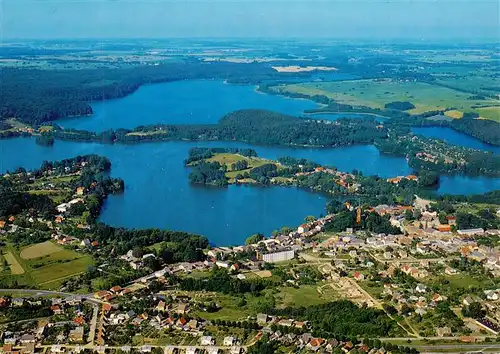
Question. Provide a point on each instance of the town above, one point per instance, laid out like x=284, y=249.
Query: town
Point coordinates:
x=431, y=279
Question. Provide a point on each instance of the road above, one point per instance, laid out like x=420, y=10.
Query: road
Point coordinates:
x=93, y=324
x=68, y=296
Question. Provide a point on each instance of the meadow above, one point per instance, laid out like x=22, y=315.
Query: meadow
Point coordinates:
x=43, y=265
x=378, y=92
x=228, y=159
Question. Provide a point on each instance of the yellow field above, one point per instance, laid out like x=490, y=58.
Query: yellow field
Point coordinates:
x=40, y=250
x=454, y=114
x=264, y=273
x=15, y=267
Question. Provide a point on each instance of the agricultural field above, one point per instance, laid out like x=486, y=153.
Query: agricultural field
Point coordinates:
x=377, y=93
x=43, y=265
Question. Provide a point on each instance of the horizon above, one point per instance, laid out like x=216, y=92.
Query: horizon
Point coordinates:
x=370, y=20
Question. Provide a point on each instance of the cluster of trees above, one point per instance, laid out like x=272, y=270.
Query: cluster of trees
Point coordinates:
x=12, y=202
x=45, y=140
x=209, y=173
x=220, y=281
x=482, y=129
x=262, y=174
x=27, y=312
x=239, y=165
x=400, y=105
x=342, y=318
x=484, y=218
x=183, y=246
x=370, y=221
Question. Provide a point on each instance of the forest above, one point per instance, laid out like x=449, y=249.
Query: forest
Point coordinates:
x=251, y=126
x=342, y=318
x=35, y=96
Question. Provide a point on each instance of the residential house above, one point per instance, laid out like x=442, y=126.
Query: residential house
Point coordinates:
x=27, y=338
x=315, y=344
x=17, y=302
x=359, y=276
x=229, y=341
x=443, y=331
x=193, y=324
x=181, y=309
x=420, y=288
x=262, y=318
x=161, y=306
x=76, y=335
x=207, y=340
x=56, y=309
x=491, y=295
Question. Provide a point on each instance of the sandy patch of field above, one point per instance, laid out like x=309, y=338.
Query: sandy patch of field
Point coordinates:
x=454, y=114
x=264, y=273
x=39, y=250
x=15, y=267
x=298, y=69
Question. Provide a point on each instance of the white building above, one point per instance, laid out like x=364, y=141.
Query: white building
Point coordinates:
x=278, y=256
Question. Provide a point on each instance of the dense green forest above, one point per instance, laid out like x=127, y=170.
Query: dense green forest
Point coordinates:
x=179, y=246
x=35, y=96
x=342, y=318
x=484, y=130
x=208, y=173
x=251, y=126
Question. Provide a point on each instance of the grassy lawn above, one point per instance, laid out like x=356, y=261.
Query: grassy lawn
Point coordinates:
x=228, y=159
x=492, y=113
x=58, y=196
x=40, y=250
x=464, y=281
x=305, y=295
x=377, y=93
x=15, y=267
x=229, y=308
x=45, y=264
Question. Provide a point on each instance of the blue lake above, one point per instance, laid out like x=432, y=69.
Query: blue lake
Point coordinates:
x=158, y=193
x=188, y=102
x=454, y=137
x=182, y=102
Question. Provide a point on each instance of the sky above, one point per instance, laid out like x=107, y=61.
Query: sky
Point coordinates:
x=370, y=19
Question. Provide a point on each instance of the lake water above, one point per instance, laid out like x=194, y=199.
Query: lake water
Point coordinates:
x=188, y=102
x=158, y=193
x=182, y=102
x=454, y=137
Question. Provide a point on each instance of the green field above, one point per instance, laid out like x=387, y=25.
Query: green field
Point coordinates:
x=47, y=270
x=377, y=93
x=305, y=295
x=228, y=159
x=39, y=250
